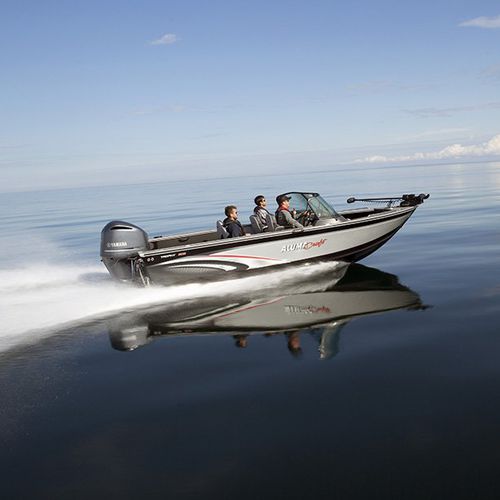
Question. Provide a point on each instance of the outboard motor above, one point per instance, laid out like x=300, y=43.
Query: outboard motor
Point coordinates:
x=120, y=244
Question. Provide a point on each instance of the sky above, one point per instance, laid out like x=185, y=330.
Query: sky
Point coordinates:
x=114, y=92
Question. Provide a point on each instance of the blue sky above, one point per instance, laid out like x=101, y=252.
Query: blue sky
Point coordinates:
x=116, y=91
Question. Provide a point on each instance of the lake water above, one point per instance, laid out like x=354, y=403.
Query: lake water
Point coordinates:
x=382, y=382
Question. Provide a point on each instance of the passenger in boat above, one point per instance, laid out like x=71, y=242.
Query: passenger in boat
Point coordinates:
x=261, y=211
x=283, y=215
x=231, y=222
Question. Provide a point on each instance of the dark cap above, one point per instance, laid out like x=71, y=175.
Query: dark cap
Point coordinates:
x=281, y=198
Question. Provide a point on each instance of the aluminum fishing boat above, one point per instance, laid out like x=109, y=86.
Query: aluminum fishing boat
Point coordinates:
x=130, y=254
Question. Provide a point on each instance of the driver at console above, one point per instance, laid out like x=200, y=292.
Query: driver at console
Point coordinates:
x=283, y=214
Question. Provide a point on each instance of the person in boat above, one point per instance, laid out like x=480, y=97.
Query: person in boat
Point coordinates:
x=261, y=211
x=283, y=215
x=231, y=223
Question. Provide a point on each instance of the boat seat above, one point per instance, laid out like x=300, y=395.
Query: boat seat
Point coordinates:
x=221, y=230
x=272, y=225
x=256, y=225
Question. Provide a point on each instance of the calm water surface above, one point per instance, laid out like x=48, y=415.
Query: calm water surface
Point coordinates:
x=380, y=381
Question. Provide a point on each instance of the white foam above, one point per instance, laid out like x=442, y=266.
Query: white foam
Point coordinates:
x=36, y=301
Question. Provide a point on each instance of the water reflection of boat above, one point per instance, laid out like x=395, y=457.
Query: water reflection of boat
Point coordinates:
x=345, y=293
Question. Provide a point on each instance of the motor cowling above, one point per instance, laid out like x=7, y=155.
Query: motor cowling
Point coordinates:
x=121, y=242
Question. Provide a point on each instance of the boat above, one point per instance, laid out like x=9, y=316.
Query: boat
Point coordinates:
x=130, y=255
x=320, y=304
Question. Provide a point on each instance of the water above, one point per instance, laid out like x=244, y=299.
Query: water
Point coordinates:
x=103, y=395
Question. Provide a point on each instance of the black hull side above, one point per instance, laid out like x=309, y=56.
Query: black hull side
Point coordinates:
x=361, y=252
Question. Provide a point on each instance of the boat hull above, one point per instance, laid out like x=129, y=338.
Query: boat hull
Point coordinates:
x=348, y=241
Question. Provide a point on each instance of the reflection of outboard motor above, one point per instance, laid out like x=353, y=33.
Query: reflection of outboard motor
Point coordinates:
x=129, y=339
x=120, y=243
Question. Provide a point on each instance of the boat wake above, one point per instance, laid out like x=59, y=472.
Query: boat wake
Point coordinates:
x=39, y=301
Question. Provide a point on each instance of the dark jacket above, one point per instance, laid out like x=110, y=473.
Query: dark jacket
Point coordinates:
x=233, y=227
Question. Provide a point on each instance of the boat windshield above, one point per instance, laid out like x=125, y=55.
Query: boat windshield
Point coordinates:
x=314, y=202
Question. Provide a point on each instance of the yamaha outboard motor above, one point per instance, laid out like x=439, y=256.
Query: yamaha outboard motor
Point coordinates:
x=120, y=244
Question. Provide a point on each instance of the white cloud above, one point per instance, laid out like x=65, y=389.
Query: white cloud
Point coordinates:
x=434, y=133
x=167, y=39
x=385, y=86
x=447, y=112
x=482, y=22
x=491, y=73
x=172, y=108
x=489, y=148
